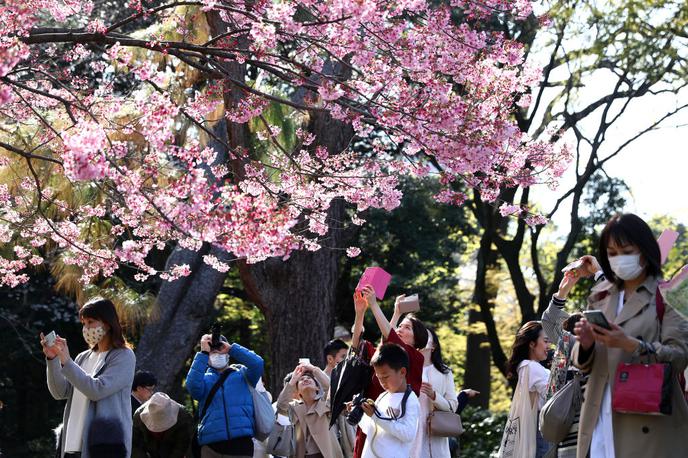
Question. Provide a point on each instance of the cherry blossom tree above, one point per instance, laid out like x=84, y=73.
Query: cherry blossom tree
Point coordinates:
x=124, y=114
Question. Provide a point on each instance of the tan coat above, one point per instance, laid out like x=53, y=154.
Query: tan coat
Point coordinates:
x=636, y=435
x=317, y=422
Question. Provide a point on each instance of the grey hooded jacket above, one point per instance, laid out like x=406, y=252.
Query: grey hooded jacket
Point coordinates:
x=109, y=392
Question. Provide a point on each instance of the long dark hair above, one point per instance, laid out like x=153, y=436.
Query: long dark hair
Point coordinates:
x=104, y=310
x=520, y=351
x=629, y=229
x=436, y=355
x=420, y=332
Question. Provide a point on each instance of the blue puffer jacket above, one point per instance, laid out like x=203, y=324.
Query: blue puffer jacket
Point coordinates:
x=230, y=414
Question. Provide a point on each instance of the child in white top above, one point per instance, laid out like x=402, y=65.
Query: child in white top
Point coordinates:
x=390, y=424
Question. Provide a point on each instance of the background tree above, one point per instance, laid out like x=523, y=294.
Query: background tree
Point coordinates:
x=634, y=53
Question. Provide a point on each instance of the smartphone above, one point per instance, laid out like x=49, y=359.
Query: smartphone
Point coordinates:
x=304, y=361
x=597, y=317
x=409, y=304
x=50, y=339
x=572, y=265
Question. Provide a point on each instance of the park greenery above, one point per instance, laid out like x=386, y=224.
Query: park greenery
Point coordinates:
x=201, y=163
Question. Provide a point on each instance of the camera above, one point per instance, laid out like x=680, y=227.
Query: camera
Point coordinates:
x=215, y=342
x=354, y=417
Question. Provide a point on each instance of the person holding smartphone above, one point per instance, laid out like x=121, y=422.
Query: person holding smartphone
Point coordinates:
x=96, y=384
x=629, y=259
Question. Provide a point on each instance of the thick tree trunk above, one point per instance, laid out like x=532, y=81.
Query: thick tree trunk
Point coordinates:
x=477, y=374
x=185, y=310
x=298, y=297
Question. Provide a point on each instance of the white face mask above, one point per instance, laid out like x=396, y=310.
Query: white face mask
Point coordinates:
x=219, y=360
x=93, y=335
x=626, y=266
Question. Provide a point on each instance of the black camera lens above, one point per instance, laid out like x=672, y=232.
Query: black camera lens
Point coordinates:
x=354, y=417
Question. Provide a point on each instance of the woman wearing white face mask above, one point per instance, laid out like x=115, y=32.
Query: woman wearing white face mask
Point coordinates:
x=629, y=260
x=96, y=385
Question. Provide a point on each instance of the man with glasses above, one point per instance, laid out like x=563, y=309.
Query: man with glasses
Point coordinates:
x=142, y=389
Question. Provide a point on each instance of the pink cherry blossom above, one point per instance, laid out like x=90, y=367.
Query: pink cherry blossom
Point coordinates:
x=149, y=158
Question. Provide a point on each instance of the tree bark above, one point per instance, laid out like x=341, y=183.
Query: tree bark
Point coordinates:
x=298, y=296
x=185, y=310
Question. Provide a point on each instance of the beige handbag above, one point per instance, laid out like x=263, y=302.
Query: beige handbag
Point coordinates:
x=444, y=424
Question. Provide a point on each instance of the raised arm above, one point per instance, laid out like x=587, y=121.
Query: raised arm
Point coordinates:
x=554, y=316
x=396, y=316
x=380, y=318
x=117, y=375
x=360, y=305
x=253, y=362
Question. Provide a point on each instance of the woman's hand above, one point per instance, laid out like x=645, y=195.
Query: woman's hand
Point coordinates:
x=590, y=266
x=49, y=352
x=428, y=390
x=360, y=304
x=471, y=393
x=205, y=342
x=296, y=375
x=584, y=334
x=567, y=283
x=308, y=367
x=63, y=350
x=369, y=295
x=615, y=338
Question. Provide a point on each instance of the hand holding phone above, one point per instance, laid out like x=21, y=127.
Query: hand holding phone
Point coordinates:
x=597, y=318
x=50, y=339
x=572, y=266
x=305, y=361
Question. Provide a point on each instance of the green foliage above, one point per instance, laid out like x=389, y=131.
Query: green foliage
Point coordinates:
x=678, y=256
x=29, y=413
x=420, y=244
x=483, y=432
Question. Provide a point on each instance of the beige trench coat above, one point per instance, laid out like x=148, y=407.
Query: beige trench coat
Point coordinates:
x=318, y=422
x=635, y=435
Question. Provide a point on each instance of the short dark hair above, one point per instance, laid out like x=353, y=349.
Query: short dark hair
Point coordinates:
x=629, y=229
x=334, y=346
x=143, y=378
x=392, y=355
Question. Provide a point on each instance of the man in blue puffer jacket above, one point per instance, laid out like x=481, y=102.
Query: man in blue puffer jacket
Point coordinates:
x=227, y=427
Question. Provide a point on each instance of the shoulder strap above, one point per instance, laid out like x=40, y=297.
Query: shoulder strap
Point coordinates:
x=213, y=390
x=243, y=373
x=661, y=306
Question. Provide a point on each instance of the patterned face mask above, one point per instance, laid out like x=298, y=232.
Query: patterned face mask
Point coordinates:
x=93, y=335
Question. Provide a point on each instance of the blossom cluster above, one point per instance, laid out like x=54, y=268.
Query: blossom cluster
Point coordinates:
x=402, y=74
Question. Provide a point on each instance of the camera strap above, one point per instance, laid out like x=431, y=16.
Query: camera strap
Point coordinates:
x=214, y=389
x=407, y=393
